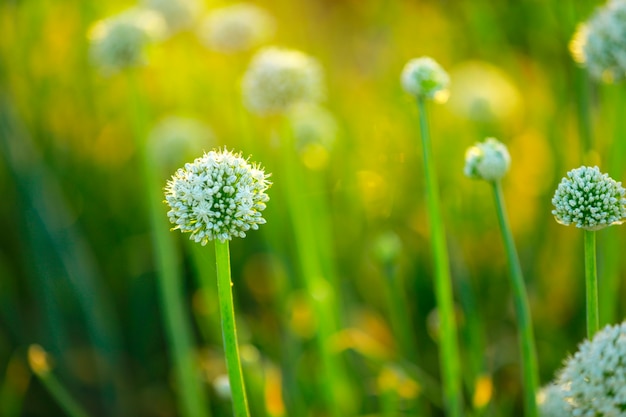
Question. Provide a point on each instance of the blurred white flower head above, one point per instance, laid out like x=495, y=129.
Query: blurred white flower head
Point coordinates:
x=217, y=196
x=178, y=14
x=237, y=27
x=484, y=93
x=279, y=78
x=424, y=77
x=551, y=402
x=600, y=43
x=589, y=199
x=118, y=42
x=488, y=160
x=594, y=379
x=177, y=139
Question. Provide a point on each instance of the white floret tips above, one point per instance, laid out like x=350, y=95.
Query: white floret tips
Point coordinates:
x=489, y=160
x=589, y=199
x=217, y=196
x=593, y=381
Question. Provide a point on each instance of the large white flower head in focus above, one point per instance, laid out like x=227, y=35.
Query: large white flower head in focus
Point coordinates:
x=589, y=199
x=218, y=196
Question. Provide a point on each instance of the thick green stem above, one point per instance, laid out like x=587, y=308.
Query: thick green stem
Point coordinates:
x=591, y=283
x=194, y=402
x=530, y=372
x=448, y=345
x=229, y=330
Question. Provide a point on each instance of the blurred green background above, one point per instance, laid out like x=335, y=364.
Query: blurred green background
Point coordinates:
x=77, y=272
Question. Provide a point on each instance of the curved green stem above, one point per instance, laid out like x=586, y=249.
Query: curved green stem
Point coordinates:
x=449, y=350
x=591, y=283
x=530, y=373
x=229, y=330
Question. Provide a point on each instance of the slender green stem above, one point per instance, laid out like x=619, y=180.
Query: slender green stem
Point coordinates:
x=38, y=361
x=449, y=350
x=530, y=372
x=62, y=396
x=591, y=283
x=194, y=402
x=229, y=330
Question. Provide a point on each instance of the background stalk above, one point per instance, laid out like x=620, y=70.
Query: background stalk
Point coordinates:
x=591, y=283
x=530, y=373
x=194, y=402
x=38, y=361
x=448, y=344
x=229, y=330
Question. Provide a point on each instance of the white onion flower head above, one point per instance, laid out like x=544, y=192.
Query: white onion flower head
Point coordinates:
x=236, y=28
x=118, y=42
x=218, y=196
x=600, y=43
x=178, y=14
x=279, y=78
x=488, y=160
x=551, y=402
x=589, y=199
x=425, y=78
x=594, y=379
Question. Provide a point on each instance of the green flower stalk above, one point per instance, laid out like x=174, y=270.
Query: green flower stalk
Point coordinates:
x=424, y=79
x=40, y=365
x=592, y=201
x=215, y=198
x=490, y=161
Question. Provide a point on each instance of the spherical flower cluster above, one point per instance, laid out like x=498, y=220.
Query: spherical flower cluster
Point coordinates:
x=488, y=160
x=423, y=77
x=600, y=43
x=594, y=379
x=279, y=78
x=178, y=14
x=589, y=199
x=237, y=27
x=551, y=402
x=217, y=196
x=118, y=42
